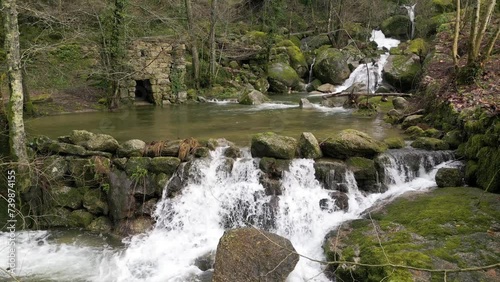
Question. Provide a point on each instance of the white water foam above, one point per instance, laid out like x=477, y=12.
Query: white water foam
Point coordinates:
x=189, y=226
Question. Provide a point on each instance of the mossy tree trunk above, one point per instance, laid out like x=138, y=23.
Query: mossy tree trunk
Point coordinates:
x=17, y=135
x=194, y=47
x=213, y=23
x=117, y=51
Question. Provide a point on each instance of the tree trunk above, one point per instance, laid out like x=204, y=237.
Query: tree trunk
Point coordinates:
x=194, y=47
x=454, y=51
x=213, y=22
x=471, y=60
x=17, y=135
x=116, y=52
x=482, y=29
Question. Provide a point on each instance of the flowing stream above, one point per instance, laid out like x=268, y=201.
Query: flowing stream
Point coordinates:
x=189, y=226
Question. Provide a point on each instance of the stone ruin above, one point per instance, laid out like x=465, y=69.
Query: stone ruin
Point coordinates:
x=158, y=69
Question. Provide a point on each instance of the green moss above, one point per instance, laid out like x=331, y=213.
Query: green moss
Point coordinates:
x=414, y=131
x=428, y=143
x=419, y=47
x=396, y=26
x=432, y=132
x=488, y=170
x=395, y=142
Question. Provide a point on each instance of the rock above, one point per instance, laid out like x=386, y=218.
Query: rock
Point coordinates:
x=402, y=71
x=121, y=202
x=365, y=174
x=261, y=85
x=272, y=187
x=400, y=103
x=449, y=177
x=331, y=174
x=82, y=172
x=232, y=152
x=248, y=254
x=131, y=148
x=135, y=226
x=205, y=262
x=68, y=197
x=56, y=217
x=178, y=180
x=398, y=26
x=282, y=78
x=305, y=104
x=337, y=201
x=428, y=143
x=274, y=168
x=412, y=120
x=94, y=200
x=326, y=88
x=309, y=146
x=454, y=138
x=94, y=142
x=272, y=145
x=80, y=218
x=201, y=152
x=66, y=149
x=55, y=168
x=100, y=224
x=253, y=97
x=331, y=66
x=138, y=165
x=167, y=165
x=352, y=143
x=395, y=142
x=432, y=132
x=414, y=131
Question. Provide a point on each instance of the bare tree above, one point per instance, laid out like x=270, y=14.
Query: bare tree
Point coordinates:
x=213, y=23
x=194, y=47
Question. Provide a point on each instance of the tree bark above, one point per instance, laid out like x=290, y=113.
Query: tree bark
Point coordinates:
x=454, y=51
x=471, y=60
x=194, y=47
x=482, y=29
x=116, y=51
x=17, y=135
x=213, y=22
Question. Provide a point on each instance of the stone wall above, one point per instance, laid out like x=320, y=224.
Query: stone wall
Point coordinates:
x=161, y=61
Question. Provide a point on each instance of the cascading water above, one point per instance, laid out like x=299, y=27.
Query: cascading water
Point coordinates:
x=371, y=72
x=411, y=15
x=222, y=193
x=311, y=71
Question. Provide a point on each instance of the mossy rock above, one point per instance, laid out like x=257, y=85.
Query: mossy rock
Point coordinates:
x=449, y=177
x=412, y=120
x=352, y=143
x=402, y=71
x=292, y=55
x=131, y=148
x=67, y=197
x=255, y=37
x=100, y=224
x=282, y=77
x=419, y=47
x=253, y=97
x=471, y=172
x=488, y=170
x=82, y=172
x=94, y=200
x=55, y=168
x=138, y=164
x=331, y=174
x=274, y=168
x=80, y=218
x=331, y=66
x=56, y=217
x=443, y=6
x=429, y=143
x=201, y=152
x=395, y=142
x=365, y=174
x=272, y=145
x=444, y=227
x=474, y=144
x=454, y=138
x=167, y=165
x=261, y=84
x=398, y=26
x=432, y=132
x=309, y=146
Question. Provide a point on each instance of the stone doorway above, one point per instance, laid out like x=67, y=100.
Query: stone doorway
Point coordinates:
x=144, y=91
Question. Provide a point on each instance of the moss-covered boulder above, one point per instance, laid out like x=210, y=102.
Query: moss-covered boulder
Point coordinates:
x=282, y=77
x=488, y=169
x=398, y=26
x=253, y=97
x=445, y=228
x=331, y=66
x=248, y=254
x=443, y=6
x=67, y=197
x=309, y=146
x=352, y=143
x=55, y=217
x=365, y=174
x=336, y=201
x=94, y=142
x=137, y=165
x=395, y=142
x=412, y=120
x=95, y=201
x=429, y=143
x=54, y=168
x=454, y=138
x=80, y=218
x=272, y=145
x=274, y=168
x=402, y=71
x=100, y=224
x=432, y=132
x=415, y=131
x=449, y=177
x=167, y=165
x=289, y=53
x=131, y=148
x=261, y=84
x=201, y=152
x=400, y=103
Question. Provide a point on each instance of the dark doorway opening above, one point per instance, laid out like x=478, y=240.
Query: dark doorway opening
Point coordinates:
x=144, y=91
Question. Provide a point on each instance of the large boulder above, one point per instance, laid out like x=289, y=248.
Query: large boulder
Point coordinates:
x=402, y=71
x=331, y=174
x=272, y=145
x=249, y=254
x=365, y=173
x=400, y=103
x=449, y=177
x=309, y=146
x=287, y=52
x=253, y=97
x=282, y=77
x=305, y=104
x=331, y=66
x=352, y=143
x=67, y=197
x=429, y=143
x=398, y=26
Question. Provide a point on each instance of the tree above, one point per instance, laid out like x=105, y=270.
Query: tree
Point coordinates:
x=213, y=23
x=194, y=47
x=116, y=50
x=17, y=135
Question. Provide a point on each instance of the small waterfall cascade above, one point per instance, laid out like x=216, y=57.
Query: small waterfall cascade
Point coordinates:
x=371, y=73
x=222, y=193
x=411, y=15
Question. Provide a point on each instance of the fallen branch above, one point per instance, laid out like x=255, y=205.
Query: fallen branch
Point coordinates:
x=342, y=94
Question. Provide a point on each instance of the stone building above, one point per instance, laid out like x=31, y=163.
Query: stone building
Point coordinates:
x=157, y=70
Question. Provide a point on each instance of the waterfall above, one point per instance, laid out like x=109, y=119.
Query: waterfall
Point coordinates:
x=223, y=193
x=311, y=71
x=411, y=14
